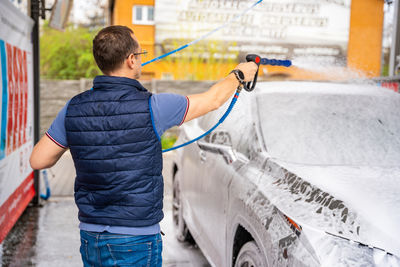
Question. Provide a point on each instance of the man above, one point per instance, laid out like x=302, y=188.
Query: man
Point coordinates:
x=113, y=133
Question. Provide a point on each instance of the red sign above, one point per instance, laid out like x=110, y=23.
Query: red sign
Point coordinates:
x=17, y=98
x=15, y=206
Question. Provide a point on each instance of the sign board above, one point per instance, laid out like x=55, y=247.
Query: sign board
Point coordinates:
x=313, y=30
x=60, y=13
x=16, y=115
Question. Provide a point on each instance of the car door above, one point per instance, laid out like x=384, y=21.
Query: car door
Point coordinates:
x=218, y=166
x=190, y=172
x=213, y=187
x=196, y=162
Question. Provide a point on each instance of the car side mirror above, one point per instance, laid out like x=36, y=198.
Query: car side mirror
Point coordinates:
x=219, y=142
x=219, y=138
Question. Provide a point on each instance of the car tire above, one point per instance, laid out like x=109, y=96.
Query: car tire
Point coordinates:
x=181, y=231
x=250, y=256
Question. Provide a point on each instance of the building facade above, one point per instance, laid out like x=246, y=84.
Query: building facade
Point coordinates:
x=325, y=39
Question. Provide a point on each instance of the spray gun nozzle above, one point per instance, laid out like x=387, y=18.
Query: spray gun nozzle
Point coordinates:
x=276, y=62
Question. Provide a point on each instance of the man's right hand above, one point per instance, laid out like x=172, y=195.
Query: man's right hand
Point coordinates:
x=249, y=70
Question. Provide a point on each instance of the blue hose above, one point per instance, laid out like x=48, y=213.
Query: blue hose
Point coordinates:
x=233, y=102
x=264, y=61
x=235, y=18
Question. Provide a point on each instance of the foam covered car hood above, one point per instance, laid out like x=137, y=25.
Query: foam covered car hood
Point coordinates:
x=358, y=203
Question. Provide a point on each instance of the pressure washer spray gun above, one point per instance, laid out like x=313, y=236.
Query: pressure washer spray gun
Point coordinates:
x=249, y=86
x=263, y=61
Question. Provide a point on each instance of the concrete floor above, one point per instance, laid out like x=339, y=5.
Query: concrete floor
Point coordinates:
x=49, y=235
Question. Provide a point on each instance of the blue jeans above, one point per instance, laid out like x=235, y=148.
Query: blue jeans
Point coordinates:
x=107, y=249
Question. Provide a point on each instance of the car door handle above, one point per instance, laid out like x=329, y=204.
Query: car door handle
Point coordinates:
x=202, y=155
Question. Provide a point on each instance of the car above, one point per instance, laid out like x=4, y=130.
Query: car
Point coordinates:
x=299, y=174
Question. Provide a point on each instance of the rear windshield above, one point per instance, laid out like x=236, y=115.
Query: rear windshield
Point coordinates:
x=331, y=129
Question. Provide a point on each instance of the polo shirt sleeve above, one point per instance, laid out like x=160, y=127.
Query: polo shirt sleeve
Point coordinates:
x=168, y=110
x=57, y=132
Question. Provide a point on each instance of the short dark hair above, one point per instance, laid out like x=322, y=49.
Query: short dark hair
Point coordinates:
x=111, y=46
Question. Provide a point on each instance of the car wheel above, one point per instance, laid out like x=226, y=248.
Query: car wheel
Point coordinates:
x=249, y=256
x=181, y=230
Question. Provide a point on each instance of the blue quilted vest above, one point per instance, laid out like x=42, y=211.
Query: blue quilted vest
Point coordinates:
x=117, y=154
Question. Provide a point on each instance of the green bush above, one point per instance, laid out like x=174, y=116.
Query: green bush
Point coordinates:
x=168, y=141
x=68, y=54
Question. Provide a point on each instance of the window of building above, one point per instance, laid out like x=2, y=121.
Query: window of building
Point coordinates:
x=143, y=15
x=138, y=13
x=150, y=14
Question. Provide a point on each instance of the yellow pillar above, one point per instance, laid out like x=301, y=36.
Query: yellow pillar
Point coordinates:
x=365, y=37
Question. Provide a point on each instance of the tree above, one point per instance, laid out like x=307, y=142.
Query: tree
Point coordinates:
x=68, y=54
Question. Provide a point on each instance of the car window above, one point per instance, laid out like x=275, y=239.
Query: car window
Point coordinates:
x=332, y=129
x=209, y=120
x=249, y=144
x=239, y=124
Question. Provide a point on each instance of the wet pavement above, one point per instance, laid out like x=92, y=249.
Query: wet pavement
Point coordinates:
x=49, y=235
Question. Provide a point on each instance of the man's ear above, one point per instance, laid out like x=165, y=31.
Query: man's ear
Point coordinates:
x=131, y=61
